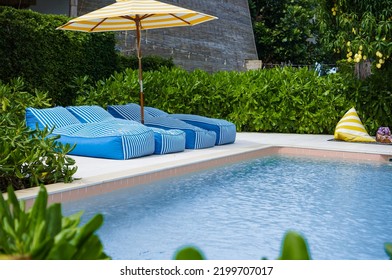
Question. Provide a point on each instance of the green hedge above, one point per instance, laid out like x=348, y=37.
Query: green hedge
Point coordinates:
x=285, y=100
x=49, y=59
x=149, y=63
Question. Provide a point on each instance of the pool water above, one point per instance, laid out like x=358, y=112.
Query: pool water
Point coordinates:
x=242, y=211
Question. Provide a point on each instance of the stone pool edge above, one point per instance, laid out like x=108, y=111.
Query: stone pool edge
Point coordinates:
x=95, y=185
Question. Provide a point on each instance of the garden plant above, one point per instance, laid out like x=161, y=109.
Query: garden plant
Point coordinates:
x=43, y=233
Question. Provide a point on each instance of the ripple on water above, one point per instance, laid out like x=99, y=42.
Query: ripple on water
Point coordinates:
x=242, y=211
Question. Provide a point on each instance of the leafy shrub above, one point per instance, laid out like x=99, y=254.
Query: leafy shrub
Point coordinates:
x=285, y=100
x=280, y=100
x=43, y=233
x=290, y=100
x=28, y=157
x=374, y=99
x=149, y=63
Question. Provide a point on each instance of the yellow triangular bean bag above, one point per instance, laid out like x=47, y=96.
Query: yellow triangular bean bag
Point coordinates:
x=351, y=129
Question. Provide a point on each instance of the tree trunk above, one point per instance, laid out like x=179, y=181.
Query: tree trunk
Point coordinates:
x=363, y=69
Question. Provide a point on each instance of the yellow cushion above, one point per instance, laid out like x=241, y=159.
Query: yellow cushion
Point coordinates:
x=351, y=129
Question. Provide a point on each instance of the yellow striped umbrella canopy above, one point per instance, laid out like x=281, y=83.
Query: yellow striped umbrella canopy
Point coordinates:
x=136, y=15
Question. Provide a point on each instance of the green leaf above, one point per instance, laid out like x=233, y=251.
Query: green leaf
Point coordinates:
x=54, y=218
x=38, y=211
x=87, y=230
x=294, y=247
x=62, y=251
x=189, y=253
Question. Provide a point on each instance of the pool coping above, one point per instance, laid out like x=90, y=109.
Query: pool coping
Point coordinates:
x=153, y=168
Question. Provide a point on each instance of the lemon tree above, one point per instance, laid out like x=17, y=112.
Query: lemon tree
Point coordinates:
x=357, y=31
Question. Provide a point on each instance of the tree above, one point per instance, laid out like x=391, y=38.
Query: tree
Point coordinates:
x=358, y=31
x=285, y=31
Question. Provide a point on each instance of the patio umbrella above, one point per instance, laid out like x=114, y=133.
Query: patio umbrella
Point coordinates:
x=136, y=15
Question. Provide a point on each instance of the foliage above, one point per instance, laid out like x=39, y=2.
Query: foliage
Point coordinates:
x=28, y=157
x=290, y=101
x=149, y=63
x=49, y=59
x=286, y=100
x=43, y=233
x=373, y=98
x=189, y=253
x=388, y=250
x=357, y=30
x=294, y=247
x=285, y=31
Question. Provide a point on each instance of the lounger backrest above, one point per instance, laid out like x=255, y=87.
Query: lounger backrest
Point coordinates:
x=90, y=114
x=129, y=111
x=50, y=117
x=156, y=112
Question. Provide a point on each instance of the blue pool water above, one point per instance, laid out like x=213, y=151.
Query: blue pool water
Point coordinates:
x=242, y=211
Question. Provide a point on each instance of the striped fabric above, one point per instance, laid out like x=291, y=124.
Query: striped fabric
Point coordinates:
x=50, y=117
x=155, y=112
x=168, y=141
x=351, y=129
x=165, y=141
x=89, y=114
x=127, y=14
x=196, y=137
x=115, y=140
x=129, y=111
x=225, y=131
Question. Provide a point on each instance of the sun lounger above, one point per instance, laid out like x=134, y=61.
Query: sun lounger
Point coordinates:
x=166, y=141
x=113, y=140
x=225, y=130
x=196, y=137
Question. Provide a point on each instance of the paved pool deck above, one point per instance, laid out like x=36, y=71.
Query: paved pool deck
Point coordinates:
x=98, y=176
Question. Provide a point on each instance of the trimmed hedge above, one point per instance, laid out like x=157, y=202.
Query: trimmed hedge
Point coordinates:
x=285, y=100
x=49, y=59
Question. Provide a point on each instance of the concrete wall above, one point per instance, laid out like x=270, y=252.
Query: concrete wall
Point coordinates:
x=223, y=44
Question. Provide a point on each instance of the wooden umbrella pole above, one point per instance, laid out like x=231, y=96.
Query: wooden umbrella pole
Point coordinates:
x=139, y=56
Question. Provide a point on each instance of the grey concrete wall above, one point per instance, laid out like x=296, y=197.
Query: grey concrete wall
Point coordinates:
x=222, y=44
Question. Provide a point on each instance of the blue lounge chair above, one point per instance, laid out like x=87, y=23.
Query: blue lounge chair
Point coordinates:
x=166, y=141
x=225, y=130
x=196, y=137
x=113, y=140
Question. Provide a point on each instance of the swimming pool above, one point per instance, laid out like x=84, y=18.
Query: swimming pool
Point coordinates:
x=242, y=211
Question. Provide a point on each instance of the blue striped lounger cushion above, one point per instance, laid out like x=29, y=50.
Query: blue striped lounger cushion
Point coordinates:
x=196, y=138
x=225, y=131
x=165, y=141
x=120, y=140
x=51, y=117
x=168, y=141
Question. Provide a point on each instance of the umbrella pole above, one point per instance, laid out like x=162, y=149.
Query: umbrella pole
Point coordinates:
x=139, y=56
